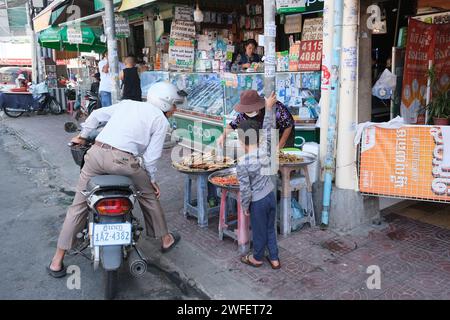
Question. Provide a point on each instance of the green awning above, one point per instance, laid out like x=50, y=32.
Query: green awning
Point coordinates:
x=56, y=38
x=98, y=4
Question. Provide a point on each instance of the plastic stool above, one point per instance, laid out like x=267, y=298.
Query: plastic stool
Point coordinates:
x=200, y=209
x=70, y=105
x=242, y=232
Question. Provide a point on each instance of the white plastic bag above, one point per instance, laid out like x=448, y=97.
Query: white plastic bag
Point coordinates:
x=385, y=85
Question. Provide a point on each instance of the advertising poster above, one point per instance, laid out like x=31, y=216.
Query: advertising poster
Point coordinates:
x=411, y=162
x=419, y=51
x=312, y=29
x=310, y=55
x=182, y=30
x=181, y=55
x=441, y=56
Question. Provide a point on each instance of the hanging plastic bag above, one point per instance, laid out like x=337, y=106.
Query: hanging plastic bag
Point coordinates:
x=385, y=85
x=297, y=210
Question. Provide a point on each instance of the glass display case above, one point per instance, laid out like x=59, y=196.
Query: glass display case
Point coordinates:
x=295, y=90
x=148, y=78
x=205, y=92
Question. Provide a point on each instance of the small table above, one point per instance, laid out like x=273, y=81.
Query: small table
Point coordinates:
x=201, y=209
x=285, y=213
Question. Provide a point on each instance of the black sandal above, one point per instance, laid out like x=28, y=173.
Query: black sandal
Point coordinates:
x=57, y=274
x=246, y=259
x=176, y=238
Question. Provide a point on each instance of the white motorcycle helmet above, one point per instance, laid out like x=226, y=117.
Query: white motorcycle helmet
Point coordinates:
x=164, y=95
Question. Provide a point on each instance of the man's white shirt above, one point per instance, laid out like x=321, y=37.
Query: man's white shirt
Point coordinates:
x=106, y=82
x=135, y=127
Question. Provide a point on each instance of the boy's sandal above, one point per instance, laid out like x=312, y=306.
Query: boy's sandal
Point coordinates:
x=57, y=274
x=246, y=259
x=274, y=266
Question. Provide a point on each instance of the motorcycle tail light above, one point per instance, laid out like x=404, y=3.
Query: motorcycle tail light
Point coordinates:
x=113, y=206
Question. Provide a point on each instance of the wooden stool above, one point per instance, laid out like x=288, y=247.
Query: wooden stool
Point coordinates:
x=242, y=232
x=200, y=209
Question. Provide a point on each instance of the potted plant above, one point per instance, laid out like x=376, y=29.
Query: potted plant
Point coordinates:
x=439, y=106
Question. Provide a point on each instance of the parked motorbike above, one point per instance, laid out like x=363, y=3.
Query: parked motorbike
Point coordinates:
x=42, y=102
x=89, y=104
x=112, y=231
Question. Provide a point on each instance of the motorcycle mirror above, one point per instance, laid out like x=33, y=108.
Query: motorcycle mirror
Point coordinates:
x=70, y=127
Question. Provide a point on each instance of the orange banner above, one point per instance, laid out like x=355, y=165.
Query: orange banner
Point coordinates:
x=411, y=162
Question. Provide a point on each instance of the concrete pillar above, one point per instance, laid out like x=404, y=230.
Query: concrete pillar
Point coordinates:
x=149, y=34
x=346, y=152
x=348, y=208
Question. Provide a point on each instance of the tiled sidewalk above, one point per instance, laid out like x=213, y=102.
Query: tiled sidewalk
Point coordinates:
x=414, y=259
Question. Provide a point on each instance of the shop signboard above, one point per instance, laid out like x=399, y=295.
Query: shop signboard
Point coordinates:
x=293, y=24
x=122, y=26
x=411, y=162
x=74, y=35
x=184, y=13
x=310, y=55
x=292, y=6
x=312, y=29
x=181, y=55
x=419, y=53
x=182, y=30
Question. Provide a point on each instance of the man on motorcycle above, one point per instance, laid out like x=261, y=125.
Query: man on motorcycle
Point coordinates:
x=134, y=130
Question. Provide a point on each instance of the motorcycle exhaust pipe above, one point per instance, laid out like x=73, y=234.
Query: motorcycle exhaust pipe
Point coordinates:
x=138, y=266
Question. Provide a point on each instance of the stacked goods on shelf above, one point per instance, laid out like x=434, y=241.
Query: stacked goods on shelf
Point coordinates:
x=213, y=51
x=283, y=61
x=294, y=55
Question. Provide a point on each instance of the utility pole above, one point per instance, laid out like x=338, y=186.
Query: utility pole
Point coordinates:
x=269, y=46
x=113, y=57
x=30, y=33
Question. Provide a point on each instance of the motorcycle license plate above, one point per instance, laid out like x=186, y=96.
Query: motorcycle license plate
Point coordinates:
x=112, y=234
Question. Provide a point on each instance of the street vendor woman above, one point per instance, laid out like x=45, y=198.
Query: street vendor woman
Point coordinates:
x=250, y=107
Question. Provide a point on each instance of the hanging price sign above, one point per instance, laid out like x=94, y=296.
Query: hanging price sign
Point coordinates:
x=310, y=55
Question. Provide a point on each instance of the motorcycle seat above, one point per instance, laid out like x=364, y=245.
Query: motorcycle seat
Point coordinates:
x=109, y=182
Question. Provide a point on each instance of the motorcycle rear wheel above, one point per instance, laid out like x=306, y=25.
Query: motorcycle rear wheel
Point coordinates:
x=13, y=114
x=110, y=284
x=54, y=106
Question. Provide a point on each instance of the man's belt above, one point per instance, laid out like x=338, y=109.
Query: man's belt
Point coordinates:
x=107, y=146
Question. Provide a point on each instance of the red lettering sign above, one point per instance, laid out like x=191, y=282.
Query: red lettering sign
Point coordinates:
x=310, y=55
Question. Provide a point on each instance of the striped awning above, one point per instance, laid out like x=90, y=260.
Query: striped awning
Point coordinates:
x=43, y=20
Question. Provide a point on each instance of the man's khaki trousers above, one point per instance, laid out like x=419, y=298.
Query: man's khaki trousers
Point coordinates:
x=99, y=161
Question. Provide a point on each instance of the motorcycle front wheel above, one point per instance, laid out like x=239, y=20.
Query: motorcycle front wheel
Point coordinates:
x=12, y=113
x=110, y=284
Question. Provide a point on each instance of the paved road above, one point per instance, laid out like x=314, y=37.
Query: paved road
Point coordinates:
x=32, y=209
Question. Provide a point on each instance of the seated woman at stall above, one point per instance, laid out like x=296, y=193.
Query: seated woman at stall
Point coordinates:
x=246, y=59
x=21, y=84
x=284, y=120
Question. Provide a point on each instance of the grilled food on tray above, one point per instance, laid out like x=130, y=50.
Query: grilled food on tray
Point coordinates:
x=226, y=181
x=289, y=158
x=203, y=162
